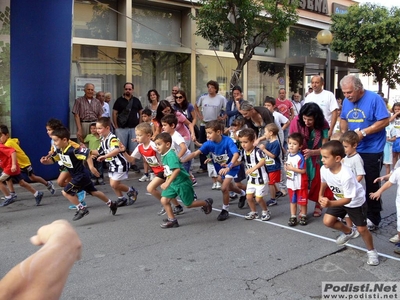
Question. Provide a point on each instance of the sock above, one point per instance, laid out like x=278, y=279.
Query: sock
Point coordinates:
x=226, y=207
x=264, y=212
x=242, y=193
x=293, y=216
x=109, y=202
x=273, y=199
x=80, y=206
x=12, y=194
x=8, y=197
x=48, y=183
x=36, y=193
x=171, y=220
x=122, y=197
x=147, y=174
x=131, y=189
x=178, y=206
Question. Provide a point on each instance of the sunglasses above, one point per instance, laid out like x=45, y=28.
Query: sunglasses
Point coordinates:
x=178, y=97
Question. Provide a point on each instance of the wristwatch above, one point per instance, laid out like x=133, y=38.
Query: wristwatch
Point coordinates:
x=363, y=132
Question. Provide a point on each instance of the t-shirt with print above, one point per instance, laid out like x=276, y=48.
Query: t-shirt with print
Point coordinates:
x=171, y=162
x=251, y=159
x=150, y=155
x=273, y=164
x=221, y=153
x=211, y=107
x=296, y=181
x=362, y=114
x=344, y=185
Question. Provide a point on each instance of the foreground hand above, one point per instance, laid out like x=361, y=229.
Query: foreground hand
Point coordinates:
x=59, y=232
x=324, y=201
x=374, y=196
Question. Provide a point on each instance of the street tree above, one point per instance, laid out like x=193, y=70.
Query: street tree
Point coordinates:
x=370, y=34
x=243, y=25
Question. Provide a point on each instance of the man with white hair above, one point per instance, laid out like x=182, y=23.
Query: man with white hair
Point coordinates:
x=365, y=112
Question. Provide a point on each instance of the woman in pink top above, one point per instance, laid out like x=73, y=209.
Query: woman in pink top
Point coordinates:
x=184, y=127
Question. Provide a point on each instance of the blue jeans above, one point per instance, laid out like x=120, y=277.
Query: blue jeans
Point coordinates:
x=125, y=135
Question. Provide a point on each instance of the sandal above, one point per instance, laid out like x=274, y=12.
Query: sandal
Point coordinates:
x=317, y=212
x=303, y=220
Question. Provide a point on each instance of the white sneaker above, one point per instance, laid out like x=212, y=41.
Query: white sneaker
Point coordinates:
x=214, y=186
x=251, y=216
x=373, y=258
x=218, y=186
x=344, y=238
x=265, y=215
x=144, y=178
x=356, y=233
x=395, y=239
x=371, y=226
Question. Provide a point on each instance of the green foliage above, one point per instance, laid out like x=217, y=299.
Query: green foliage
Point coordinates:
x=371, y=35
x=244, y=25
x=100, y=23
x=5, y=98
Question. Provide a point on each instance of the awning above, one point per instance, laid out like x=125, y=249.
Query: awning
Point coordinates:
x=106, y=68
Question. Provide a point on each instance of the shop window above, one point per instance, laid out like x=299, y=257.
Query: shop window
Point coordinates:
x=156, y=26
x=95, y=20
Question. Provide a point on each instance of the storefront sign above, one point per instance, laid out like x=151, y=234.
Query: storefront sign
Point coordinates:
x=339, y=9
x=318, y=6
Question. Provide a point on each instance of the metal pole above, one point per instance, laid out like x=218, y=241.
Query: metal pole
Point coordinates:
x=328, y=69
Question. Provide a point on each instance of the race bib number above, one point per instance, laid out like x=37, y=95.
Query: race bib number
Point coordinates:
x=269, y=161
x=152, y=161
x=290, y=175
x=167, y=171
x=66, y=160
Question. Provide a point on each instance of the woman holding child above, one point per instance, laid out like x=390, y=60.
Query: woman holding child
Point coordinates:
x=312, y=125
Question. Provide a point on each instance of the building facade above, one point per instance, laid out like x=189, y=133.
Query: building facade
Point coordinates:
x=61, y=45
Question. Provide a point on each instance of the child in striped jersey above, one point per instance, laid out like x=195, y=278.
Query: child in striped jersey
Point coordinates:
x=257, y=176
x=118, y=165
x=297, y=180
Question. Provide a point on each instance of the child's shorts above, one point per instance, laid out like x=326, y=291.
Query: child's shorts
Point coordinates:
x=118, y=176
x=396, y=145
x=211, y=171
x=274, y=177
x=298, y=196
x=259, y=190
x=358, y=215
x=184, y=190
x=241, y=175
x=387, y=154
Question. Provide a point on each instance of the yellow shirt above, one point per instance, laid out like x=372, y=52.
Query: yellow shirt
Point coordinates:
x=22, y=158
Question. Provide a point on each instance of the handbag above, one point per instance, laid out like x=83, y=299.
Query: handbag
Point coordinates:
x=123, y=117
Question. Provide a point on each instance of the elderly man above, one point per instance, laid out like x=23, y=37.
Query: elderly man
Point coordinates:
x=365, y=112
x=297, y=103
x=171, y=98
x=87, y=109
x=326, y=101
x=127, y=112
x=106, y=107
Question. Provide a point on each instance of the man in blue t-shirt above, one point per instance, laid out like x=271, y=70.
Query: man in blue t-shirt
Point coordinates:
x=365, y=112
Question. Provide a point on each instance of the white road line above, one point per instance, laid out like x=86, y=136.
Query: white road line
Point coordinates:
x=312, y=234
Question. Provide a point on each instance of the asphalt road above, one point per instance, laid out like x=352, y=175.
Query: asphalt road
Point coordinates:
x=128, y=256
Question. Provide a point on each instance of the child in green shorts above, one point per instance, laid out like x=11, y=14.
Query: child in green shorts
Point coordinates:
x=178, y=182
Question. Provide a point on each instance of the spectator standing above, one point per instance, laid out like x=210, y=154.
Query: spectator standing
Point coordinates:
x=106, y=107
x=233, y=105
x=285, y=107
x=87, y=109
x=126, y=116
x=365, y=112
x=209, y=107
x=297, y=103
x=326, y=101
x=171, y=98
x=154, y=99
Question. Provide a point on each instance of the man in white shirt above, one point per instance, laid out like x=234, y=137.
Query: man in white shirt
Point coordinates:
x=326, y=101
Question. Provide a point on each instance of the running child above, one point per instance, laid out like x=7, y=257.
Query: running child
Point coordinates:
x=224, y=154
x=178, y=182
x=349, y=199
x=73, y=159
x=272, y=160
x=23, y=162
x=297, y=180
x=148, y=119
x=353, y=161
x=118, y=165
x=257, y=176
x=64, y=176
x=93, y=142
x=210, y=170
x=9, y=165
x=147, y=149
